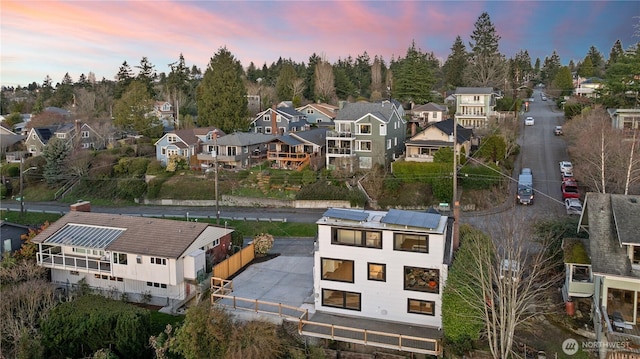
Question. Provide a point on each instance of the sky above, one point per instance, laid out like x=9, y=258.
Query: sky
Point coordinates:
x=40, y=38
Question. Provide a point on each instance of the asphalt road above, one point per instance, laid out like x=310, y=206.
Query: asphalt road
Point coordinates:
x=541, y=151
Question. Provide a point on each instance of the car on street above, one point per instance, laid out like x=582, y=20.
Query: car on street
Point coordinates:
x=567, y=176
x=526, y=171
x=558, y=131
x=573, y=206
x=529, y=121
x=566, y=166
x=569, y=189
x=544, y=98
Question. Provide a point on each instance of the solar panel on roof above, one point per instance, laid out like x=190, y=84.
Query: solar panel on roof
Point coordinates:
x=411, y=218
x=76, y=235
x=346, y=214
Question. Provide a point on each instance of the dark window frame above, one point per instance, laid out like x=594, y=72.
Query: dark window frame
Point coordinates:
x=412, y=279
x=384, y=272
x=396, y=244
x=344, y=299
x=353, y=265
x=420, y=301
x=363, y=241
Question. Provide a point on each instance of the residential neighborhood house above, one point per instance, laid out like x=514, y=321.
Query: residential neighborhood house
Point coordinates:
x=612, y=278
x=185, y=143
x=152, y=260
x=383, y=269
x=319, y=114
x=474, y=106
x=422, y=147
x=278, y=121
x=297, y=150
x=366, y=134
x=237, y=150
x=587, y=87
x=626, y=119
x=11, y=235
x=424, y=115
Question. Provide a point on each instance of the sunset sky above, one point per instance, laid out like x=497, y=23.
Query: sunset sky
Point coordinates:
x=40, y=38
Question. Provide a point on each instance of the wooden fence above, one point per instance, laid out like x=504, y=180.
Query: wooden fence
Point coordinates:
x=231, y=265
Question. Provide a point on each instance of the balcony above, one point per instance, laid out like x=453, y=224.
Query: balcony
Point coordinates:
x=579, y=280
x=340, y=134
x=340, y=151
x=73, y=263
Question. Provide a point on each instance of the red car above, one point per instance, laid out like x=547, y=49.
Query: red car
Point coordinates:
x=569, y=189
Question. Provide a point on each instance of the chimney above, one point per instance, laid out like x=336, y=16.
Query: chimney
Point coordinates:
x=81, y=206
x=274, y=120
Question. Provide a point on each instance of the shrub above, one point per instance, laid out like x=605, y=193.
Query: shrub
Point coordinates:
x=131, y=188
x=263, y=243
x=480, y=177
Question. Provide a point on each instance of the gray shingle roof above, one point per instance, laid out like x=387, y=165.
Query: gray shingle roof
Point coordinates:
x=355, y=111
x=243, y=139
x=446, y=126
x=626, y=217
x=473, y=90
x=316, y=136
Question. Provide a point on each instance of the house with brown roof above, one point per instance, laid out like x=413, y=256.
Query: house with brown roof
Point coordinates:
x=428, y=113
x=422, y=146
x=320, y=114
x=184, y=143
x=151, y=260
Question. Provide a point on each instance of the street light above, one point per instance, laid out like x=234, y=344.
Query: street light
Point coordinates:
x=22, y=172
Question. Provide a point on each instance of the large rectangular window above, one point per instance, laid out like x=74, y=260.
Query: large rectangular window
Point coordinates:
x=422, y=279
x=635, y=258
x=363, y=146
x=337, y=269
x=377, y=271
x=364, y=129
x=352, y=237
x=341, y=299
x=119, y=258
x=425, y=307
x=411, y=242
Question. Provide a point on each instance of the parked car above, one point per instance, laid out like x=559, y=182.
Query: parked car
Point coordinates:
x=569, y=189
x=558, y=131
x=567, y=175
x=529, y=121
x=526, y=171
x=544, y=98
x=573, y=206
x=566, y=166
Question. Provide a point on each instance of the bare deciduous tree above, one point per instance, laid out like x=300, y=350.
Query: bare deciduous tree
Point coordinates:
x=506, y=280
x=604, y=159
x=325, y=86
x=297, y=87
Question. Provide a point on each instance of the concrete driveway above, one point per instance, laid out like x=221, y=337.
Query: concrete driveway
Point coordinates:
x=285, y=279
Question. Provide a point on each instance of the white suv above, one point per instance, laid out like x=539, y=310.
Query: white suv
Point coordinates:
x=566, y=166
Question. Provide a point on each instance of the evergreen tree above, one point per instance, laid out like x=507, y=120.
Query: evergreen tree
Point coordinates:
x=82, y=81
x=456, y=63
x=536, y=67
x=572, y=66
x=550, y=67
x=222, y=96
x=586, y=68
x=413, y=77
x=123, y=80
x=564, y=81
x=147, y=75
x=55, y=154
x=621, y=86
x=362, y=75
x=310, y=77
x=487, y=65
x=132, y=112
x=284, y=83
x=252, y=72
x=597, y=60
x=178, y=88
x=63, y=96
x=616, y=52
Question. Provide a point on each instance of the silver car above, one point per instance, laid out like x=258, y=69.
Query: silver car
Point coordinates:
x=573, y=206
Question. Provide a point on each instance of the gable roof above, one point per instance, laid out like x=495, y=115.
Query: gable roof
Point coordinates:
x=316, y=136
x=127, y=234
x=626, y=217
x=446, y=126
x=324, y=108
x=430, y=107
x=243, y=139
x=354, y=111
x=190, y=136
x=606, y=232
x=474, y=91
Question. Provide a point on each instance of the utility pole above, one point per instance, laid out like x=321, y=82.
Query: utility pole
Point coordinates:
x=21, y=185
x=215, y=164
x=456, y=203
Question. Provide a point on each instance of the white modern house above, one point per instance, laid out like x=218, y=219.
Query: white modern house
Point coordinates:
x=146, y=259
x=389, y=267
